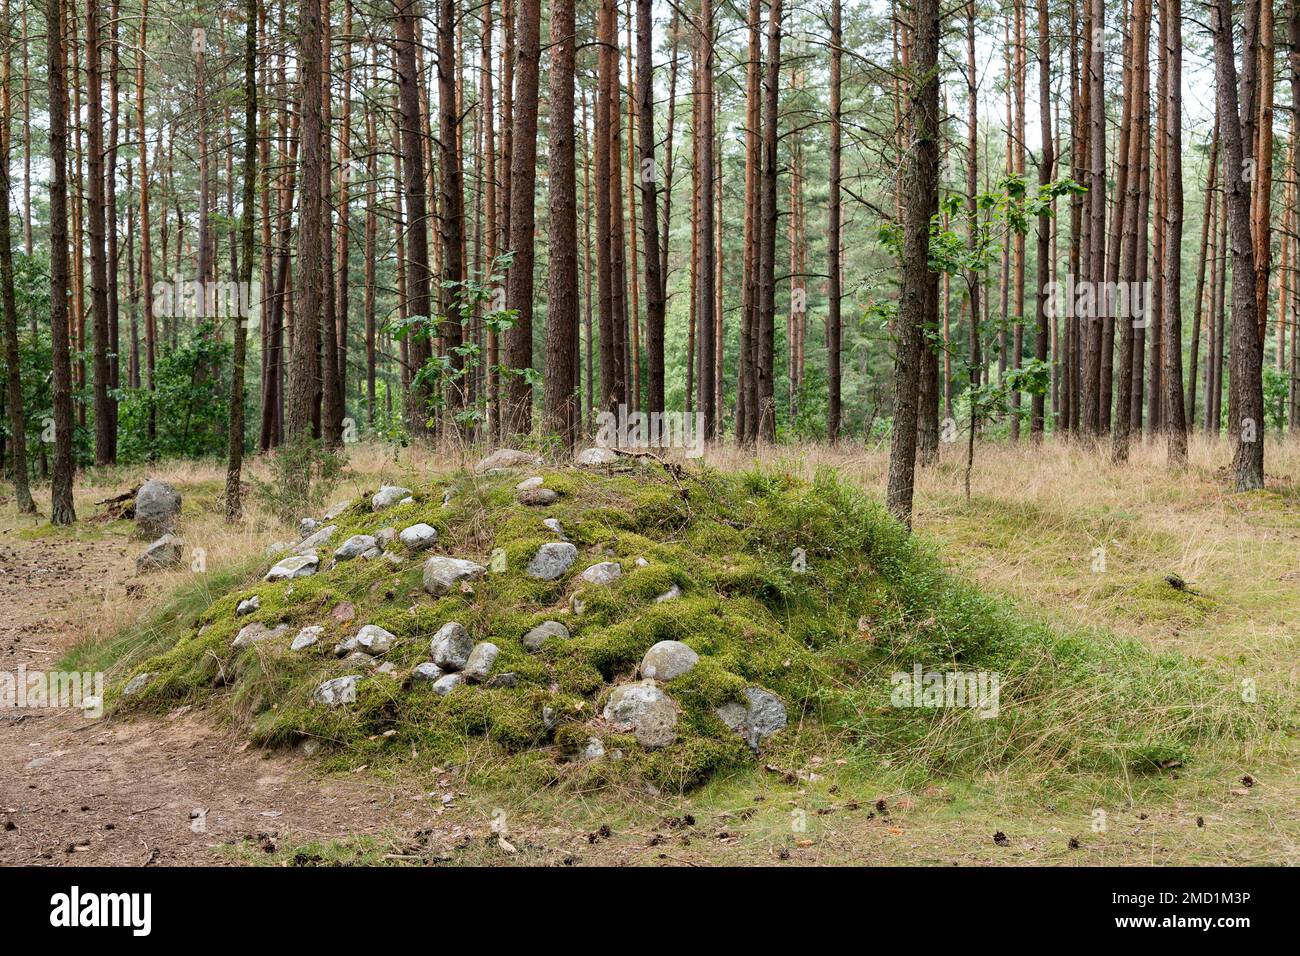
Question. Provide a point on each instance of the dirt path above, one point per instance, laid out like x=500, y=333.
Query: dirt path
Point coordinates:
x=166, y=791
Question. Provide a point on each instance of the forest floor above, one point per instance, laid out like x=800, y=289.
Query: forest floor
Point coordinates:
x=1062, y=533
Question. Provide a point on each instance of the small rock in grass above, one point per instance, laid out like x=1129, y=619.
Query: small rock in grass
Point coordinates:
x=374, y=640
x=596, y=457
x=257, y=633
x=441, y=574
x=387, y=496
x=306, y=526
x=137, y=683
x=346, y=646
x=387, y=667
x=385, y=536
x=534, y=639
x=360, y=659
x=445, y=684
x=576, y=604
x=594, y=749
x=317, y=539
x=426, y=673
x=553, y=525
x=762, y=715
x=641, y=563
x=393, y=558
x=354, y=547
x=668, y=659
x=419, y=537
x=602, y=573
x=507, y=680
x=507, y=458
x=305, y=638
x=480, y=661
x=249, y=606
x=550, y=719
x=551, y=561
x=671, y=594
x=527, y=483
x=340, y=690
x=451, y=647
x=166, y=552
x=538, y=497
x=344, y=611
x=337, y=509
x=645, y=708
x=296, y=566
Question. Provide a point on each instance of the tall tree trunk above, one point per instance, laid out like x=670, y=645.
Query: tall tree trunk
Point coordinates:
x=706, y=316
x=105, y=453
x=62, y=510
x=654, y=283
x=834, y=324
x=1046, y=170
x=765, y=344
x=1171, y=32
x=1207, y=225
x=1092, y=324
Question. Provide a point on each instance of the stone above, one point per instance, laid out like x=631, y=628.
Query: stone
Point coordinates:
x=550, y=719
x=534, y=639
x=641, y=563
x=278, y=547
x=507, y=680
x=306, y=526
x=257, y=633
x=354, y=547
x=346, y=646
x=418, y=537
x=445, y=684
x=451, y=647
x=137, y=683
x=668, y=659
x=249, y=606
x=594, y=749
x=387, y=496
x=602, y=573
x=167, y=552
x=647, y=710
x=370, y=554
x=305, y=638
x=387, y=667
x=480, y=662
x=441, y=574
x=671, y=594
x=553, y=525
x=538, y=497
x=374, y=640
x=317, y=539
x=157, y=509
x=337, y=509
x=359, y=659
x=551, y=561
x=385, y=537
x=530, y=483
x=340, y=690
x=344, y=612
x=507, y=458
x=426, y=673
x=597, y=457
x=294, y=566
x=393, y=558
x=576, y=604
x=408, y=500
x=760, y=716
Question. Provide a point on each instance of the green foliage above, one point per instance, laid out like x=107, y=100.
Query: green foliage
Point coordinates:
x=303, y=471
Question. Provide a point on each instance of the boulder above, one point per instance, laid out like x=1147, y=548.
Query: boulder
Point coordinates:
x=295, y=566
x=441, y=574
x=668, y=659
x=551, y=561
x=480, y=662
x=451, y=647
x=648, y=711
x=534, y=639
x=597, y=457
x=602, y=573
x=317, y=539
x=157, y=509
x=374, y=640
x=305, y=638
x=355, y=547
x=530, y=483
x=553, y=525
x=538, y=497
x=337, y=509
x=387, y=496
x=167, y=552
x=507, y=680
x=760, y=715
x=306, y=526
x=507, y=458
x=256, y=633
x=418, y=537
x=340, y=690
x=249, y=606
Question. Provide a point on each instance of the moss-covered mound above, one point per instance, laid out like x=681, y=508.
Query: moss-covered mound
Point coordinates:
x=808, y=591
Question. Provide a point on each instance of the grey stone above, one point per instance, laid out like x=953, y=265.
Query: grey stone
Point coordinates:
x=278, y=547
x=306, y=526
x=576, y=604
x=346, y=646
x=425, y=673
x=249, y=606
x=762, y=715
x=538, y=497
x=137, y=683
x=359, y=659
x=408, y=500
x=419, y=537
x=166, y=552
x=387, y=496
x=294, y=566
x=553, y=525
x=337, y=509
x=668, y=659
x=157, y=508
x=445, y=684
x=441, y=574
x=385, y=537
x=256, y=633
x=551, y=561
x=507, y=458
x=393, y=558
x=646, y=709
x=550, y=719
x=354, y=547
x=370, y=554
x=451, y=647
x=671, y=594
x=602, y=573
x=641, y=563
x=305, y=638
x=594, y=749
x=528, y=483
x=534, y=639
x=596, y=457
x=374, y=640
x=340, y=690
x=507, y=680
x=480, y=662
x=317, y=539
